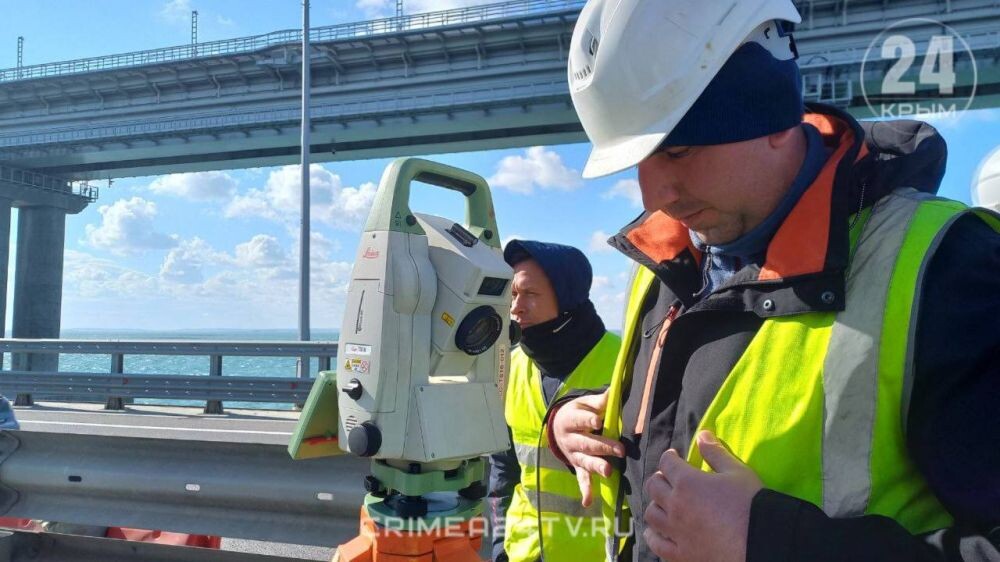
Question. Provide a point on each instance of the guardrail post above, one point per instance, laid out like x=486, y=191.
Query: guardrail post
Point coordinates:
x=302, y=372
x=324, y=363
x=214, y=370
x=117, y=368
x=20, y=362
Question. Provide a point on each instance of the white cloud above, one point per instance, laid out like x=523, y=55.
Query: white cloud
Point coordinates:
x=628, y=189
x=320, y=247
x=609, y=291
x=175, y=11
x=253, y=286
x=601, y=282
x=538, y=168
x=223, y=20
x=261, y=251
x=86, y=276
x=332, y=202
x=609, y=305
x=187, y=262
x=197, y=186
x=599, y=242
x=376, y=8
x=127, y=228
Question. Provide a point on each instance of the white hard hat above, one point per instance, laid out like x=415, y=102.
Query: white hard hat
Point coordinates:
x=637, y=66
x=986, y=186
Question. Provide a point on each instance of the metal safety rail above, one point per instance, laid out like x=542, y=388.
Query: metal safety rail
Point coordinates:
x=45, y=182
x=472, y=14
x=118, y=385
x=234, y=490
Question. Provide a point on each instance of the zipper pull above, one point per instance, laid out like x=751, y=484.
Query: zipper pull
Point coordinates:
x=671, y=314
x=654, y=365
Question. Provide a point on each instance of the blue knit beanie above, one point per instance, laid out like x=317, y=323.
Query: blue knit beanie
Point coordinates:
x=567, y=268
x=755, y=94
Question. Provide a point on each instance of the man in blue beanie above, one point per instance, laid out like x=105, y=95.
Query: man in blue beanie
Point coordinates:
x=564, y=348
x=809, y=351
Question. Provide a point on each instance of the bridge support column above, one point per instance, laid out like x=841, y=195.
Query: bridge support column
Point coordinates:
x=5, y=205
x=41, y=236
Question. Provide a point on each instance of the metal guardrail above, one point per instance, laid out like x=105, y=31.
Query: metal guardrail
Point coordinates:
x=288, y=390
x=118, y=385
x=356, y=30
x=237, y=490
x=45, y=182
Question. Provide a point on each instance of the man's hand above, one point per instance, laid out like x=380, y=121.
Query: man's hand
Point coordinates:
x=698, y=516
x=573, y=427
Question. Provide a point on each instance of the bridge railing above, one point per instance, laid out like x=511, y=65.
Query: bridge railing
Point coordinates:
x=46, y=182
x=354, y=30
x=117, y=385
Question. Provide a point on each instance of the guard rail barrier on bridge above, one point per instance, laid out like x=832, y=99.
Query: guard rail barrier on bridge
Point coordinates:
x=117, y=385
x=235, y=490
x=32, y=179
x=458, y=16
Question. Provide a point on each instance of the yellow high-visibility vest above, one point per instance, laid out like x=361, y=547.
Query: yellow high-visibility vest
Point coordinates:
x=547, y=487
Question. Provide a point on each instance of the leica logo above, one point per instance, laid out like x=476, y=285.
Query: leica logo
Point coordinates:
x=370, y=253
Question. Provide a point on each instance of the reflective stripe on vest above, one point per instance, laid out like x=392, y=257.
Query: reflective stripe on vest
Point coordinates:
x=528, y=455
x=565, y=521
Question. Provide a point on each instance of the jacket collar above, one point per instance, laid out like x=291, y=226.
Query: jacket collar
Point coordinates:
x=812, y=242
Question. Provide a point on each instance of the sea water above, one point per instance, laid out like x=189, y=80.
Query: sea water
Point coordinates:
x=189, y=365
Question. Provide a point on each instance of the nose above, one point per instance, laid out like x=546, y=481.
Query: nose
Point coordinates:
x=657, y=184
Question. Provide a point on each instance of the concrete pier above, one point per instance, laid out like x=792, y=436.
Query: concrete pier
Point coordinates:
x=41, y=234
x=5, y=206
x=42, y=201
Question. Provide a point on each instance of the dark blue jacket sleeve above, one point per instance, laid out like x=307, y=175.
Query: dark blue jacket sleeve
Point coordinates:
x=953, y=429
x=505, y=474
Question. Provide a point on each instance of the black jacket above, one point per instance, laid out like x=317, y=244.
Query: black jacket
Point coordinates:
x=952, y=431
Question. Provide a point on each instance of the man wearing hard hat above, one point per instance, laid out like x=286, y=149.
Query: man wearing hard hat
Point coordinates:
x=810, y=361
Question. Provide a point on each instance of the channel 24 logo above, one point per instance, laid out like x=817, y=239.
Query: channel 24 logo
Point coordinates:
x=925, y=68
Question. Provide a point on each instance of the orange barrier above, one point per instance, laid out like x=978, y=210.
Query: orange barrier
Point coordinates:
x=164, y=537
x=22, y=524
x=125, y=533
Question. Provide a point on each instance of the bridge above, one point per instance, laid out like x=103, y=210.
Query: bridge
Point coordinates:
x=474, y=78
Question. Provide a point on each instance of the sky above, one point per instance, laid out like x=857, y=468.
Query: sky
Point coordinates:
x=219, y=249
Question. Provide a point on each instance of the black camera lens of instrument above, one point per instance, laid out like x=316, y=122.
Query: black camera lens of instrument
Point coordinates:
x=479, y=330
